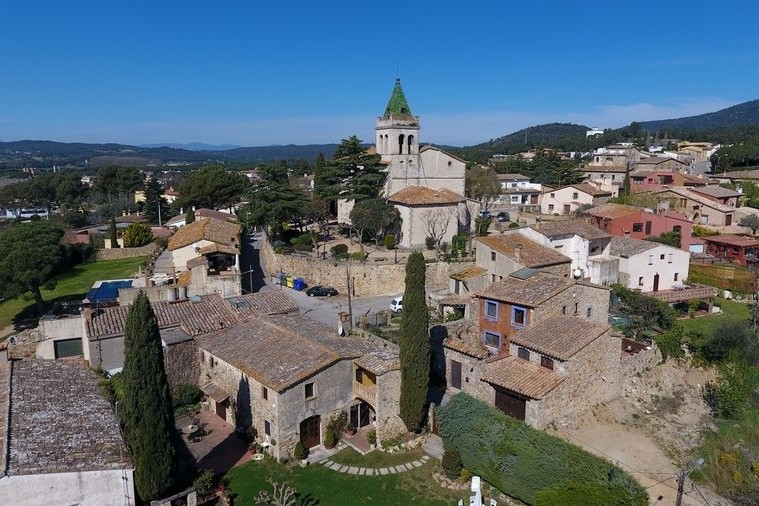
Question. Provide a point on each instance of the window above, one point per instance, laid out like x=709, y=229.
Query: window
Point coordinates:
x=676, y=275
x=575, y=195
x=650, y=260
x=640, y=281
x=550, y=207
x=553, y=195
x=491, y=310
x=493, y=278
x=523, y=353
x=492, y=340
x=589, y=312
x=359, y=376
x=661, y=257
x=264, y=392
x=518, y=316
x=669, y=258
x=564, y=310
x=267, y=427
x=577, y=308
x=68, y=347
x=637, y=227
x=492, y=256
x=309, y=390
x=546, y=362
x=676, y=228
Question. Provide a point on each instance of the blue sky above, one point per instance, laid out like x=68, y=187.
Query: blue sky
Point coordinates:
x=259, y=73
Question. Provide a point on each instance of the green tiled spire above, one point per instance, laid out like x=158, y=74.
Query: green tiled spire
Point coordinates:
x=397, y=106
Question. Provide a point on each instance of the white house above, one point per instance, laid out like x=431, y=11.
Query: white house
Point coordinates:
x=427, y=213
x=641, y=265
x=570, y=198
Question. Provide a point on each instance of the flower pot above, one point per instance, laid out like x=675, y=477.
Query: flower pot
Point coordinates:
x=303, y=462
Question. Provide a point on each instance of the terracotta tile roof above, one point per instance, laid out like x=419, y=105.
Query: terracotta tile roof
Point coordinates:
x=219, y=248
x=214, y=391
x=716, y=191
x=196, y=262
x=59, y=422
x=521, y=376
x=689, y=193
x=380, y=362
x=472, y=271
x=561, y=229
x=626, y=247
x=221, y=232
x=466, y=347
x=532, y=254
x=204, y=213
x=531, y=291
x=423, y=196
x=591, y=190
x=611, y=211
x=749, y=175
x=559, y=337
x=195, y=316
x=273, y=302
x=733, y=240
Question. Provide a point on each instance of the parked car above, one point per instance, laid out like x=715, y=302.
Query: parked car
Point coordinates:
x=397, y=305
x=485, y=215
x=503, y=216
x=321, y=291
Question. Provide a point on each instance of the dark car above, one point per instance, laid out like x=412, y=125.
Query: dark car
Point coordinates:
x=502, y=216
x=321, y=291
x=485, y=215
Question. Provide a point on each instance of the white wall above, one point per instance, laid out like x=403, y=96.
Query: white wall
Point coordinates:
x=638, y=266
x=88, y=488
x=561, y=197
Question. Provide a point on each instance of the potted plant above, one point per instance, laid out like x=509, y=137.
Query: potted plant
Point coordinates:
x=371, y=437
x=330, y=440
x=350, y=429
x=300, y=452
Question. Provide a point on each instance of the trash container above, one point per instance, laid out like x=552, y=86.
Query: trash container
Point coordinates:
x=299, y=284
x=289, y=281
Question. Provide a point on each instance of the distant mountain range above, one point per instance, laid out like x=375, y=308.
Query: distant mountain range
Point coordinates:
x=742, y=117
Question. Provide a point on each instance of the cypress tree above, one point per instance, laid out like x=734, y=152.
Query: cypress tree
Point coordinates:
x=112, y=235
x=146, y=408
x=415, y=345
x=189, y=216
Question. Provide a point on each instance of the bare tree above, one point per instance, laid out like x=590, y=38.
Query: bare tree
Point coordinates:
x=283, y=494
x=482, y=185
x=436, y=222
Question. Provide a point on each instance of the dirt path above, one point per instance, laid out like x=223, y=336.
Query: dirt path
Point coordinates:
x=651, y=431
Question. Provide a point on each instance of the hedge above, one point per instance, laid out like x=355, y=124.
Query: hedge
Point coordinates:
x=521, y=461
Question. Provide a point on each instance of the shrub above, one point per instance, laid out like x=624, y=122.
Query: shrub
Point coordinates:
x=585, y=494
x=339, y=251
x=300, y=452
x=429, y=242
x=186, y=395
x=337, y=424
x=330, y=440
x=358, y=256
x=670, y=342
x=701, y=231
x=514, y=225
x=458, y=245
x=481, y=225
x=389, y=241
x=203, y=484
x=137, y=234
x=304, y=246
x=452, y=464
x=371, y=437
x=519, y=460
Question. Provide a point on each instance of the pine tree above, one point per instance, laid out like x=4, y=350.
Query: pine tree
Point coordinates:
x=146, y=408
x=415, y=345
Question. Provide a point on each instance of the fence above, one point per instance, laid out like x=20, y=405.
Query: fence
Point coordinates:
x=725, y=276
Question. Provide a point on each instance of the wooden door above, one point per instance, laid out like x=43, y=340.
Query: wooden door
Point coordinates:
x=656, y=283
x=567, y=209
x=511, y=404
x=221, y=410
x=455, y=374
x=310, y=434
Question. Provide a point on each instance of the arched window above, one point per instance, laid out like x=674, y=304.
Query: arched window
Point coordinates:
x=410, y=143
x=400, y=144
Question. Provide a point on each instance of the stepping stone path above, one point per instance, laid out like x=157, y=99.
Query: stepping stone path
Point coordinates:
x=371, y=471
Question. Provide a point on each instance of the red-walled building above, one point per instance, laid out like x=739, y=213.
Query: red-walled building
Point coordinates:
x=630, y=221
x=738, y=249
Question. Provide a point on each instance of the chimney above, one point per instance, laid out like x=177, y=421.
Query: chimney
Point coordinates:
x=518, y=253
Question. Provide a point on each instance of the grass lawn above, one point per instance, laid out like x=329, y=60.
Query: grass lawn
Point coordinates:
x=731, y=311
x=376, y=459
x=74, y=283
x=319, y=485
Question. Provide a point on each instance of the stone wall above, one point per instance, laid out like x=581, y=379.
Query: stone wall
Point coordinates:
x=581, y=296
x=389, y=423
x=368, y=278
x=84, y=488
x=118, y=253
x=471, y=375
x=181, y=363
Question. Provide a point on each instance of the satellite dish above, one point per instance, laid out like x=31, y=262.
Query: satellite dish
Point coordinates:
x=577, y=273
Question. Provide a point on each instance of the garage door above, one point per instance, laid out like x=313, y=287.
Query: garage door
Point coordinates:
x=510, y=404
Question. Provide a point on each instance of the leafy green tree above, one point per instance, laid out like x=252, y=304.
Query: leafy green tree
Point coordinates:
x=375, y=217
x=156, y=208
x=116, y=181
x=414, y=345
x=734, y=389
x=146, y=408
x=137, y=234
x=272, y=202
x=482, y=185
x=29, y=255
x=352, y=174
x=738, y=337
x=668, y=238
x=211, y=187
x=751, y=221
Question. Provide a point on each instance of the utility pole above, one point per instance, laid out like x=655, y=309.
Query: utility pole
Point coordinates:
x=680, y=487
x=350, y=304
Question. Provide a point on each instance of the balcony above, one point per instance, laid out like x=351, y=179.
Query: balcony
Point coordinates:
x=367, y=393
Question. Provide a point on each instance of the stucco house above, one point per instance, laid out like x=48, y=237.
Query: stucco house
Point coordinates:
x=641, y=265
x=427, y=212
x=288, y=376
x=575, y=239
x=699, y=207
x=503, y=254
x=539, y=349
x=566, y=200
x=519, y=193
x=660, y=164
x=61, y=440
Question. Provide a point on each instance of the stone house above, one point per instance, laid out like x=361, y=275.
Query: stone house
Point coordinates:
x=641, y=265
x=630, y=221
x=60, y=440
x=575, y=239
x=427, y=213
x=698, y=207
x=503, y=254
x=660, y=164
x=288, y=376
x=540, y=350
x=563, y=201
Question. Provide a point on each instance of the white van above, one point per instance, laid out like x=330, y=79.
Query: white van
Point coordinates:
x=397, y=305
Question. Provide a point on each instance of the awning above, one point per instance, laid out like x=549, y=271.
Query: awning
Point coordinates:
x=215, y=392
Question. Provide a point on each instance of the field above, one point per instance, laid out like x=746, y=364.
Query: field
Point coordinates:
x=74, y=283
